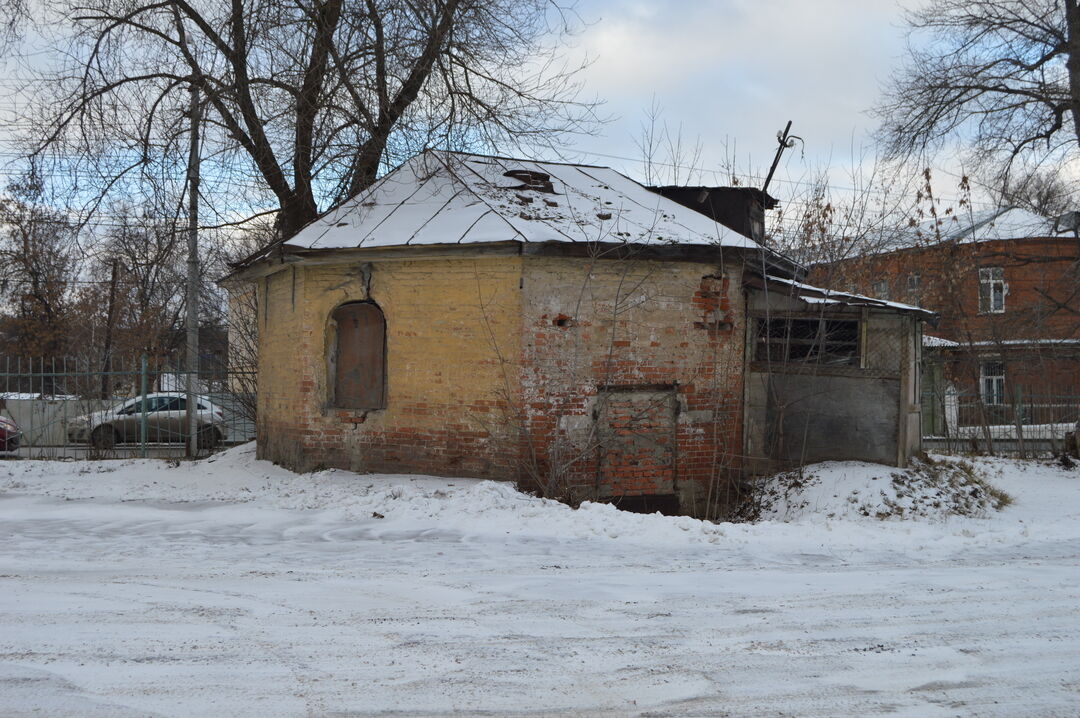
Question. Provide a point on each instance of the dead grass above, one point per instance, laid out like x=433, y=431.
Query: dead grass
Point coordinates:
x=931, y=488
x=963, y=487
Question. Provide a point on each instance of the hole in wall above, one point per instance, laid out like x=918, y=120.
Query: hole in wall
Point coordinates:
x=666, y=504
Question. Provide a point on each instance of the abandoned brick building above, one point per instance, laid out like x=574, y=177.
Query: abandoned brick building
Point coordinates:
x=565, y=327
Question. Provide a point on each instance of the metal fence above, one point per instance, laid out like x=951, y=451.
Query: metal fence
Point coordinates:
x=1013, y=423
x=66, y=408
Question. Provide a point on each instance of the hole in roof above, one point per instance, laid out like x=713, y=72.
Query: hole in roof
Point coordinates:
x=531, y=180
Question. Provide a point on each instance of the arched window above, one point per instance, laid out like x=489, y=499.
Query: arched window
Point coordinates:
x=358, y=371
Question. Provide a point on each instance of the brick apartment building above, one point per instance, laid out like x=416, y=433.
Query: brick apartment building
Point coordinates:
x=1007, y=290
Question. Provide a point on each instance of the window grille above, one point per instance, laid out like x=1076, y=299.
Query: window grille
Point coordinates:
x=992, y=382
x=832, y=342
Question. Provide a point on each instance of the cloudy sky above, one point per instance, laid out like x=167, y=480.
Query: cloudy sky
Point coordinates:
x=732, y=72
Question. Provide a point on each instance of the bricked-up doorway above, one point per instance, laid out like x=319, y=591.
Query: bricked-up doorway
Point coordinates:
x=635, y=430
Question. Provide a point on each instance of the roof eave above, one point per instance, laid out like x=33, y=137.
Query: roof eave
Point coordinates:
x=756, y=281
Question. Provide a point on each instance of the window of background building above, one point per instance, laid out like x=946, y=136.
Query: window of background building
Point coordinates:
x=992, y=382
x=880, y=289
x=992, y=290
x=914, y=284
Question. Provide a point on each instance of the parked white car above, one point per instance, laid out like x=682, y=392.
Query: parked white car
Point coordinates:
x=166, y=422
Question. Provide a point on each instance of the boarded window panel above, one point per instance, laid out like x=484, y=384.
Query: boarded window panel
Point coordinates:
x=360, y=360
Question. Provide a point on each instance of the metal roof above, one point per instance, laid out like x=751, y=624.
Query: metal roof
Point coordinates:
x=440, y=197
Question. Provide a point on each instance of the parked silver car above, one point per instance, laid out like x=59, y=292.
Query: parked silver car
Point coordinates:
x=166, y=422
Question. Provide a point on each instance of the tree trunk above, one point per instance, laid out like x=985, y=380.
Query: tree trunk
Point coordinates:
x=1072, y=39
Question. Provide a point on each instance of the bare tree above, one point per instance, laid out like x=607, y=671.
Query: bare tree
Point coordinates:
x=143, y=305
x=821, y=225
x=1040, y=191
x=1004, y=74
x=305, y=101
x=666, y=156
x=38, y=265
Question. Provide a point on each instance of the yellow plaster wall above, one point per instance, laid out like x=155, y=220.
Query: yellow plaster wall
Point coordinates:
x=448, y=322
x=279, y=364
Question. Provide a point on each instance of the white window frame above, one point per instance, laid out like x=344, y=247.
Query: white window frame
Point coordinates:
x=992, y=382
x=880, y=289
x=914, y=284
x=992, y=290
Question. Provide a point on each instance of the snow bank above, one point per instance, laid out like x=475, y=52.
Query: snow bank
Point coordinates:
x=380, y=503
x=836, y=510
x=936, y=489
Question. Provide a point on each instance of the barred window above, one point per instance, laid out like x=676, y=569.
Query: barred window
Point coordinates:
x=992, y=290
x=992, y=382
x=833, y=342
x=358, y=357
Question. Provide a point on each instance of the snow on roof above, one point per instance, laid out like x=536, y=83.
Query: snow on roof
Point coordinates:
x=440, y=197
x=929, y=341
x=984, y=225
x=1004, y=342
x=816, y=295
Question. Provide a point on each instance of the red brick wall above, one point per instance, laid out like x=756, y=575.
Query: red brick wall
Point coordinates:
x=1041, y=273
x=596, y=334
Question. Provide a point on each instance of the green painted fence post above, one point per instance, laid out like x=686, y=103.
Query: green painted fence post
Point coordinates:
x=142, y=418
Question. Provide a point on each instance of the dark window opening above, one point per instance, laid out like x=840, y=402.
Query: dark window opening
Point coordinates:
x=666, y=504
x=359, y=357
x=832, y=342
x=173, y=404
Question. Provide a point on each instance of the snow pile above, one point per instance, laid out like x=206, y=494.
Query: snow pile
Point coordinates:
x=381, y=505
x=934, y=489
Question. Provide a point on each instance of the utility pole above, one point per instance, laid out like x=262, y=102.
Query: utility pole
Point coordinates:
x=786, y=141
x=192, y=300
x=106, y=368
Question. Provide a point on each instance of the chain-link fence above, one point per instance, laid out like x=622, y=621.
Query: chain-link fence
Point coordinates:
x=1012, y=423
x=66, y=408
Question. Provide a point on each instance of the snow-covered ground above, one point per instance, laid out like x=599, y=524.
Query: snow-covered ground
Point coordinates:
x=231, y=587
